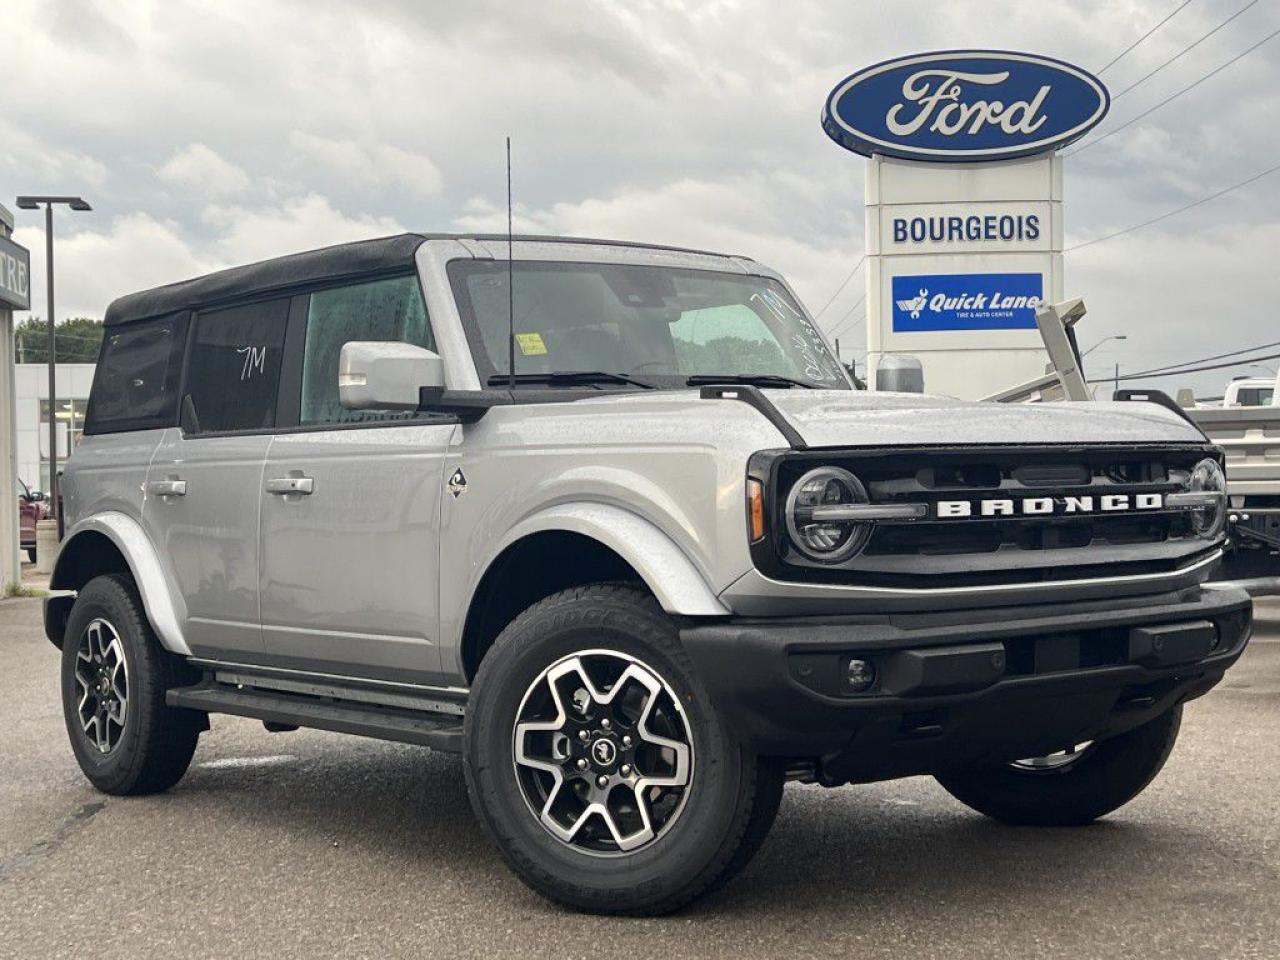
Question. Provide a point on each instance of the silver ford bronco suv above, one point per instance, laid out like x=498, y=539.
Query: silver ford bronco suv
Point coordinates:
x=613, y=522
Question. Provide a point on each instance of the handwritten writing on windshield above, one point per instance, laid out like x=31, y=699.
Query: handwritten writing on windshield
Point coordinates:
x=808, y=345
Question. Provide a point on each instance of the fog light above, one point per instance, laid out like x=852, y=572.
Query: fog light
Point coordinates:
x=861, y=675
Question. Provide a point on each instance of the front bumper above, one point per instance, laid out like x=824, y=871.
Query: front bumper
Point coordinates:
x=964, y=687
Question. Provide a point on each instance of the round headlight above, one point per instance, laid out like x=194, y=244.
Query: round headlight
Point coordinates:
x=820, y=538
x=1207, y=477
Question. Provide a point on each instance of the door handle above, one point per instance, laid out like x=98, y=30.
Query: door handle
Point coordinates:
x=284, y=486
x=167, y=488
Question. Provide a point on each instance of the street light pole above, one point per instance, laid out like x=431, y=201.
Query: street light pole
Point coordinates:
x=34, y=203
x=1118, y=336
x=53, y=363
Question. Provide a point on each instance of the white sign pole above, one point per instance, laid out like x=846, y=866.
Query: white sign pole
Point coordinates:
x=955, y=253
x=10, y=564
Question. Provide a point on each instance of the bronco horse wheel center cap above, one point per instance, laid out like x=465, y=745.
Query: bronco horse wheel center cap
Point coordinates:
x=604, y=752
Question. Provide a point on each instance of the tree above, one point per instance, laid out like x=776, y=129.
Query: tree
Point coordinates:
x=78, y=340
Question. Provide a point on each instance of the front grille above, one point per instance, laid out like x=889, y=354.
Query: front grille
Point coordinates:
x=978, y=550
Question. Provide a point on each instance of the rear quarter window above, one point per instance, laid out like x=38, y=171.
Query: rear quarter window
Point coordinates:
x=135, y=386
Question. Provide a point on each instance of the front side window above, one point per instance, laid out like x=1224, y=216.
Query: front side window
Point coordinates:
x=234, y=371
x=386, y=310
x=661, y=325
x=135, y=385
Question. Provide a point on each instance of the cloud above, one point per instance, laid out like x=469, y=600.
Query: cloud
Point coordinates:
x=203, y=170
x=36, y=165
x=674, y=121
x=136, y=251
x=748, y=215
x=372, y=165
x=94, y=267
x=245, y=234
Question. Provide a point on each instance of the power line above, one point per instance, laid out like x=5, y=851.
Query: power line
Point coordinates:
x=1175, y=367
x=1174, y=213
x=839, y=324
x=851, y=326
x=61, y=336
x=1126, y=50
x=1213, y=366
x=1184, y=50
x=843, y=283
x=1172, y=97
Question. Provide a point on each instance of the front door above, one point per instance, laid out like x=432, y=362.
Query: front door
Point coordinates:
x=350, y=507
x=205, y=479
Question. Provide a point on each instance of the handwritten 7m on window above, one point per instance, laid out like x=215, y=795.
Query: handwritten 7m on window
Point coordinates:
x=255, y=361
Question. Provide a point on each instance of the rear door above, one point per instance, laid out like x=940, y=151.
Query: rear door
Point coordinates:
x=204, y=483
x=350, y=502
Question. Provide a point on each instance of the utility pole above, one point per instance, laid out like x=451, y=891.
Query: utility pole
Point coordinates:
x=1117, y=386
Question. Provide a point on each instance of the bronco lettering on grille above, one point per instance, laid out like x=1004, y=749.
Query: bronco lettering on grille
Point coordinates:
x=1031, y=506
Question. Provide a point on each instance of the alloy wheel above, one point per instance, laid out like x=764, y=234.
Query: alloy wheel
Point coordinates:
x=1053, y=761
x=603, y=752
x=102, y=685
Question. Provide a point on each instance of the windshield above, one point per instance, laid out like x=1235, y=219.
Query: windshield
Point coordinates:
x=1255, y=396
x=656, y=324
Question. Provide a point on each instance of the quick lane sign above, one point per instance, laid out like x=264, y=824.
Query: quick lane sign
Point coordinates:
x=966, y=301
x=964, y=105
x=15, y=275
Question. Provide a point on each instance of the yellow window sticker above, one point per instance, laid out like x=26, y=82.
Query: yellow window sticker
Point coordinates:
x=531, y=344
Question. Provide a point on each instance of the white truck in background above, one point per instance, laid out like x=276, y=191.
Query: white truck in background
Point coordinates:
x=1250, y=392
x=1247, y=428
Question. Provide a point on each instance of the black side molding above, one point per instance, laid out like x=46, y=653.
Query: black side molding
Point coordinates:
x=753, y=397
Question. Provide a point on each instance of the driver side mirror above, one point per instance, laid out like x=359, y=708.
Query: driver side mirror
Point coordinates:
x=376, y=375
x=35, y=496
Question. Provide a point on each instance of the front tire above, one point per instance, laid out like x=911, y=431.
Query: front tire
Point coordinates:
x=597, y=765
x=1073, y=787
x=114, y=678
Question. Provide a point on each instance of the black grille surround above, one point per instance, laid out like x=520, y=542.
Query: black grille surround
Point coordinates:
x=988, y=551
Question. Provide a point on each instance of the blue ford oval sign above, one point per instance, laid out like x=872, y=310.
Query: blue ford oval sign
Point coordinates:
x=960, y=105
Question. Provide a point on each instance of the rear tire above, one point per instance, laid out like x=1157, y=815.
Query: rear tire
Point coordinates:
x=1074, y=791
x=604, y=663
x=114, y=678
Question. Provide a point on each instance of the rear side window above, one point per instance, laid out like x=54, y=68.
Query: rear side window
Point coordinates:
x=234, y=371
x=135, y=386
x=384, y=310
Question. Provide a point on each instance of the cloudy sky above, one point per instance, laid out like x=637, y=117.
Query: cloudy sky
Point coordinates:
x=212, y=134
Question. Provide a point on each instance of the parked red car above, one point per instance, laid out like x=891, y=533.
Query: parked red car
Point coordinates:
x=32, y=506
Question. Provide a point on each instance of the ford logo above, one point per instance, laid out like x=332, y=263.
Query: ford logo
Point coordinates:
x=960, y=105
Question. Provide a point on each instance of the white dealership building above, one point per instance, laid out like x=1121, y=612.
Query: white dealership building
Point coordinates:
x=31, y=416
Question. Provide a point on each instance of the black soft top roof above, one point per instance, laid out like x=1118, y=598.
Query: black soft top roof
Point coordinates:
x=336, y=263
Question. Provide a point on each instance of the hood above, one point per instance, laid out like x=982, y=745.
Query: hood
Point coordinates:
x=835, y=418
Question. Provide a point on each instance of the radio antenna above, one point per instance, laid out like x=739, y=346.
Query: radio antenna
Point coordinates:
x=511, y=290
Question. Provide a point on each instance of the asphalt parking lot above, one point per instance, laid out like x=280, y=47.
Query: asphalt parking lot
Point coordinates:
x=311, y=844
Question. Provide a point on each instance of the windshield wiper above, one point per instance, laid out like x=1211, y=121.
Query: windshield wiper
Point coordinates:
x=755, y=379
x=568, y=378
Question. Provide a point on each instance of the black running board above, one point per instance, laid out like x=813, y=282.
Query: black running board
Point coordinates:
x=438, y=731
